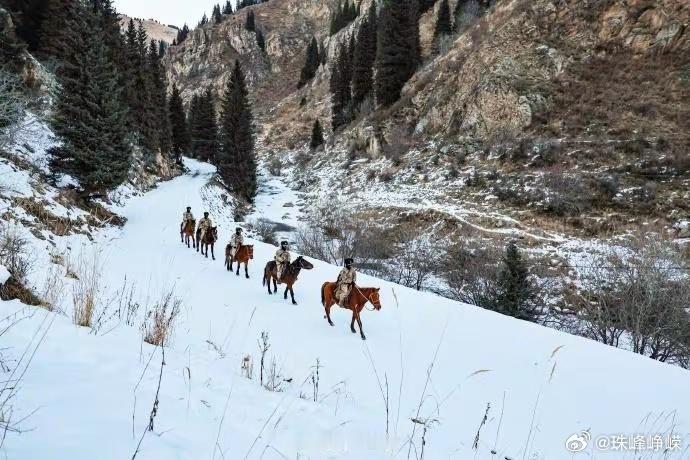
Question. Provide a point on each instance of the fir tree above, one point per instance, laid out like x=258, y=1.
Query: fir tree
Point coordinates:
x=515, y=290
x=227, y=9
x=311, y=63
x=203, y=127
x=89, y=116
x=341, y=95
x=250, y=23
x=364, y=58
x=260, y=40
x=316, y=135
x=217, y=15
x=204, y=20
x=182, y=34
x=397, y=49
x=236, y=163
x=344, y=14
x=55, y=33
x=158, y=98
x=28, y=17
x=141, y=102
x=426, y=5
x=443, y=22
x=178, y=125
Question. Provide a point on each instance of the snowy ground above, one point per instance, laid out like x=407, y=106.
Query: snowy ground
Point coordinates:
x=88, y=396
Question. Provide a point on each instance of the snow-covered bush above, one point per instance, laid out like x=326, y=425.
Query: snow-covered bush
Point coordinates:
x=159, y=323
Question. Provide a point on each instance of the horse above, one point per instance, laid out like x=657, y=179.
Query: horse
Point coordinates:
x=187, y=233
x=210, y=237
x=355, y=301
x=289, y=277
x=242, y=256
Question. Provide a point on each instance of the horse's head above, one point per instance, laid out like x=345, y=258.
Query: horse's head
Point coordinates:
x=375, y=298
x=214, y=233
x=301, y=262
x=250, y=251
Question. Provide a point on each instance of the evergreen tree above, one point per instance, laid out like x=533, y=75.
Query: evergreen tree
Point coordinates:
x=443, y=22
x=89, y=115
x=141, y=102
x=28, y=17
x=344, y=14
x=341, y=95
x=316, y=135
x=204, y=20
x=204, y=127
x=364, y=58
x=178, y=125
x=54, y=32
x=158, y=98
x=217, y=15
x=250, y=23
x=260, y=40
x=182, y=34
x=227, y=9
x=397, y=49
x=162, y=47
x=426, y=5
x=515, y=290
x=311, y=63
x=236, y=163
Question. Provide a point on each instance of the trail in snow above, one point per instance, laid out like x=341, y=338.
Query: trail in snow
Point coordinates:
x=542, y=385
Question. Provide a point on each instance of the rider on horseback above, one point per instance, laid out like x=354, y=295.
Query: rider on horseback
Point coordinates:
x=187, y=217
x=282, y=259
x=346, y=279
x=204, y=224
x=236, y=241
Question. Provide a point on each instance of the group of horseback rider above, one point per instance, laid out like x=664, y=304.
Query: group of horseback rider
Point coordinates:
x=346, y=278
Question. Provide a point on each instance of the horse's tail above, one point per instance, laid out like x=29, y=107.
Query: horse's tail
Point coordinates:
x=323, y=294
x=265, y=280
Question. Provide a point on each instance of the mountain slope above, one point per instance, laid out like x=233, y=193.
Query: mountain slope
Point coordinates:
x=542, y=385
x=154, y=29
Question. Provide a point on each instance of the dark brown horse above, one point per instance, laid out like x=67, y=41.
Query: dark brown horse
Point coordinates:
x=356, y=300
x=187, y=233
x=243, y=255
x=289, y=277
x=210, y=238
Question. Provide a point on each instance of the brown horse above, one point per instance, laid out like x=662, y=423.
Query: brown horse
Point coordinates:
x=210, y=238
x=356, y=300
x=187, y=233
x=289, y=277
x=243, y=255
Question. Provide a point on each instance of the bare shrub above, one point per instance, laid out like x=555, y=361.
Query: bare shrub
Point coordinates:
x=12, y=107
x=414, y=262
x=86, y=290
x=14, y=253
x=470, y=12
x=53, y=288
x=275, y=167
x=159, y=323
x=266, y=231
x=264, y=346
x=566, y=195
x=639, y=300
x=274, y=377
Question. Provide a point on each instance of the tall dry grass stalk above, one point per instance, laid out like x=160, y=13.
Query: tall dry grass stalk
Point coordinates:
x=159, y=323
x=86, y=289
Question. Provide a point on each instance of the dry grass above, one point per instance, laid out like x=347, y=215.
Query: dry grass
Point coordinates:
x=159, y=323
x=86, y=290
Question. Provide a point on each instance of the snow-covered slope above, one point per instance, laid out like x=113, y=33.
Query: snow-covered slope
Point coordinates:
x=425, y=358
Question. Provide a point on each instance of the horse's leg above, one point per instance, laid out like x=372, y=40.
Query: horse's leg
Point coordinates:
x=292, y=295
x=275, y=285
x=352, y=323
x=246, y=270
x=238, y=268
x=328, y=313
x=213, y=256
x=359, y=321
x=286, y=291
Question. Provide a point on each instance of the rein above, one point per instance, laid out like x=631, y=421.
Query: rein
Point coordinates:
x=366, y=299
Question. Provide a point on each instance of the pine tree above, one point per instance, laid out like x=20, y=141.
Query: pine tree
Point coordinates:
x=250, y=23
x=178, y=125
x=426, y=5
x=204, y=20
x=311, y=63
x=227, y=9
x=203, y=127
x=443, y=23
x=364, y=58
x=182, y=34
x=28, y=17
x=158, y=98
x=515, y=290
x=89, y=116
x=236, y=163
x=141, y=103
x=217, y=15
x=316, y=135
x=397, y=49
x=341, y=95
x=55, y=32
x=260, y=40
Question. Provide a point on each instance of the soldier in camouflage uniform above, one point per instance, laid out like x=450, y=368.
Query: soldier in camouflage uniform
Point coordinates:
x=346, y=280
x=282, y=259
x=187, y=216
x=236, y=241
x=204, y=224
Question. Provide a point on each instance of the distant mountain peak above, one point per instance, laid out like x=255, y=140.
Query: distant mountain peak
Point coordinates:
x=155, y=29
